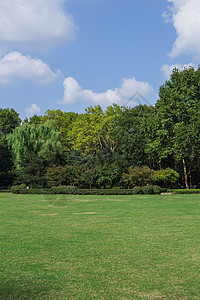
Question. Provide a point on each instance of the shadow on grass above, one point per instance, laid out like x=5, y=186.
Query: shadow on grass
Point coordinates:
x=15, y=291
x=58, y=200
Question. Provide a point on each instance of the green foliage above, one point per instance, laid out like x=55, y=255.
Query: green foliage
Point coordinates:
x=73, y=190
x=138, y=176
x=137, y=190
x=19, y=189
x=165, y=177
x=102, y=149
x=31, y=171
x=157, y=190
x=184, y=191
x=93, y=130
x=5, y=159
x=174, y=133
x=43, y=141
x=148, y=190
x=130, y=135
x=63, y=190
x=9, y=120
x=56, y=175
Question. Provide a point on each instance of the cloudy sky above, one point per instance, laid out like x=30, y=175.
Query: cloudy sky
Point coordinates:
x=70, y=54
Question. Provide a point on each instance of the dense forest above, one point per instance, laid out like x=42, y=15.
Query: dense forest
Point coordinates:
x=116, y=147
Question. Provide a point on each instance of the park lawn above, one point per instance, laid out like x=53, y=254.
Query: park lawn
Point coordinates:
x=100, y=247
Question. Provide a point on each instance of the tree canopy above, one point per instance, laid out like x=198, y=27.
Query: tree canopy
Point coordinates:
x=112, y=147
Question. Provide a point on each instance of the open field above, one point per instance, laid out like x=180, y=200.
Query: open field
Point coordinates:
x=100, y=247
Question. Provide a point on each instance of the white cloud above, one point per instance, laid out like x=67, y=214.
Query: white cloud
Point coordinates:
x=32, y=110
x=14, y=67
x=73, y=92
x=185, y=18
x=34, y=23
x=167, y=70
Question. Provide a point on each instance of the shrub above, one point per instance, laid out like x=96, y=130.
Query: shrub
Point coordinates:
x=70, y=190
x=15, y=189
x=137, y=190
x=157, y=190
x=147, y=190
x=19, y=189
x=22, y=186
x=38, y=191
x=165, y=177
x=138, y=176
x=184, y=191
x=63, y=189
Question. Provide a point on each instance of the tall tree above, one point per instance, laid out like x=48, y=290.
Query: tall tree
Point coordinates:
x=30, y=141
x=176, y=128
x=92, y=130
x=131, y=135
x=9, y=120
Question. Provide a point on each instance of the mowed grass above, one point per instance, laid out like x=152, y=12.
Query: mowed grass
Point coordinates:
x=100, y=247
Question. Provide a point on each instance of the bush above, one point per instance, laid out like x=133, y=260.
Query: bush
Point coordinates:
x=157, y=190
x=22, y=186
x=63, y=189
x=137, y=190
x=19, y=189
x=165, y=177
x=147, y=190
x=15, y=189
x=70, y=190
x=138, y=176
x=184, y=191
x=73, y=190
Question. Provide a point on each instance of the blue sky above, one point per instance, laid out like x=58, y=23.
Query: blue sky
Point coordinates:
x=67, y=55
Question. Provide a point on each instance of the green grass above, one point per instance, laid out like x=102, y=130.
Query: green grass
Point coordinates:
x=100, y=247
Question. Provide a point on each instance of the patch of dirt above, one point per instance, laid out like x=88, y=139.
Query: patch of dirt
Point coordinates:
x=54, y=214
x=39, y=213
x=153, y=295
x=82, y=200
x=85, y=213
x=119, y=200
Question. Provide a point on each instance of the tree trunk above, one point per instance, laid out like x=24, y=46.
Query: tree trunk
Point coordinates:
x=185, y=172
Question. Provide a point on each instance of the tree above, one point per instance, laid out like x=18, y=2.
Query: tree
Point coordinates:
x=31, y=171
x=56, y=175
x=93, y=130
x=30, y=141
x=9, y=120
x=63, y=120
x=175, y=129
x=130, y=134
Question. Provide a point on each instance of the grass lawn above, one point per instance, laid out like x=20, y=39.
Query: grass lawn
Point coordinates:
x=100, y=247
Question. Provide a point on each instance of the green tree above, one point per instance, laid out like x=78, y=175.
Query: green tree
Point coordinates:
x=63, y=120
x=175, y=130
x=9, y=120
x=130, y=134
x=93, y=130
x=56, y=175
x=30, y=141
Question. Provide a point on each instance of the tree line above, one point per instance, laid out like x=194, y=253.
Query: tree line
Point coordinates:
x=115, y=147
